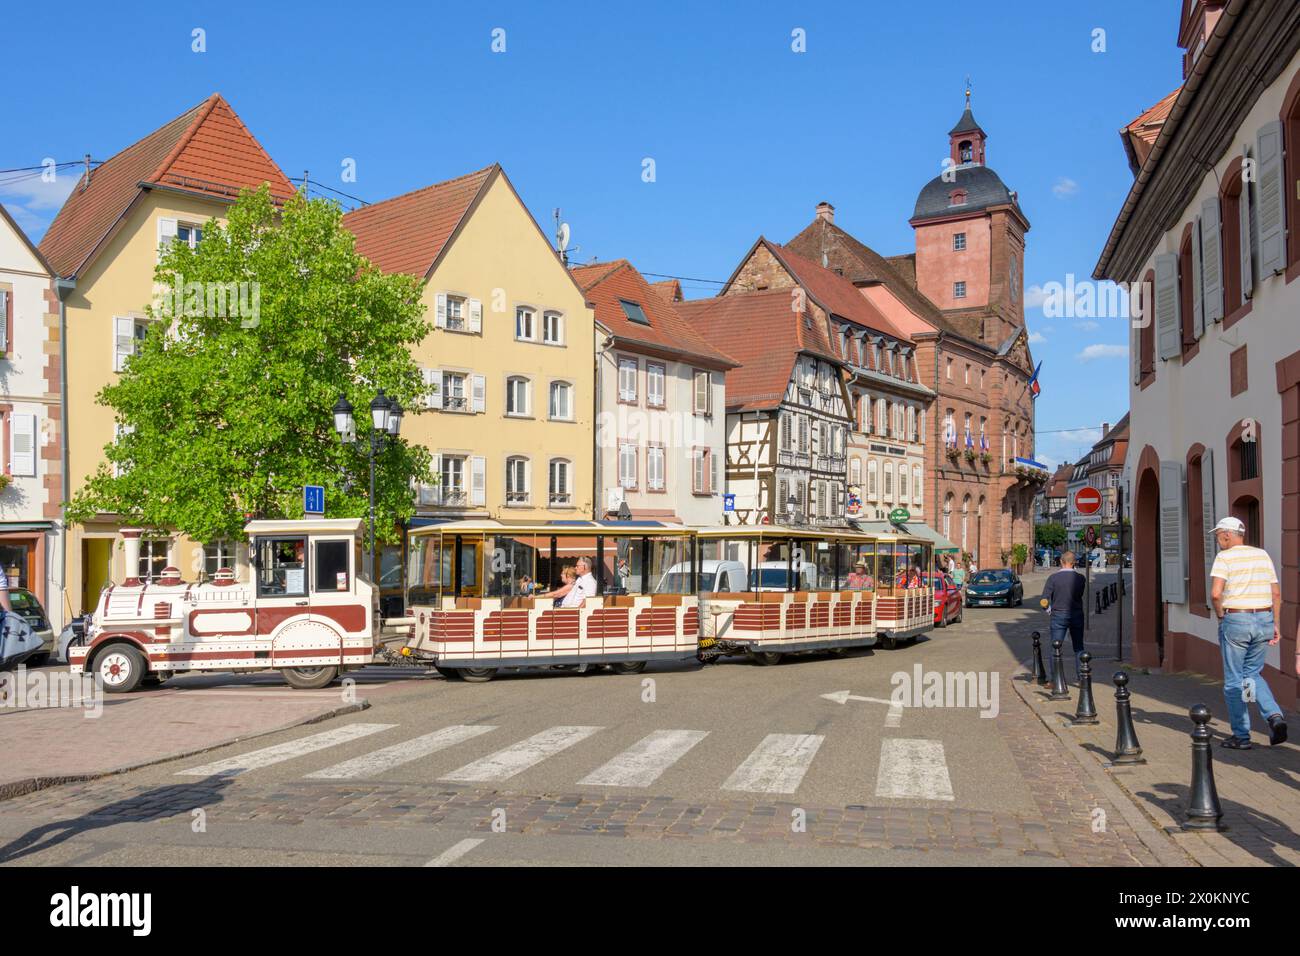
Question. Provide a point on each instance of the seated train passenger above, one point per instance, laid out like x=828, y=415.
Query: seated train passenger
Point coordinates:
x=568, y=576
x=584, y=587
x=859, y=579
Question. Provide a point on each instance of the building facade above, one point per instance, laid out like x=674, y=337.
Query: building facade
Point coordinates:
x=1209, y=238
x=31, y=422
x=509, y=364
x=661, y=414
x=959, y=300
x=104, y=245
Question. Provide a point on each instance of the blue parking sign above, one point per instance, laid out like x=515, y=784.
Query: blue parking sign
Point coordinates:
x=728, y=503
x=313, y=499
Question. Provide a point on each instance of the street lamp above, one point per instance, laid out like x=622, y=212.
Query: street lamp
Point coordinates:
x=386, y=424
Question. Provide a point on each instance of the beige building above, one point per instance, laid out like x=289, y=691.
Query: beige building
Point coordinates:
x=508, y=414
x=104, y=245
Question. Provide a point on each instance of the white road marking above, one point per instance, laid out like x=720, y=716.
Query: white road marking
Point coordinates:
x=234, y=766
x=894, y=716
x=913, y=769
x=450, y=856
x=386, y=758
x=517, y=758
x=642, y=763
x=777, y=765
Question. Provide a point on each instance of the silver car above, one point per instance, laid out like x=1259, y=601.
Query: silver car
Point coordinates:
x=26, y=606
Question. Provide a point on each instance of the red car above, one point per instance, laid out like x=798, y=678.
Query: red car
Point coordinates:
x=948, y=603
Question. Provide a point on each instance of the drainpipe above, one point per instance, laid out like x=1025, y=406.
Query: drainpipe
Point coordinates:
x=596, y=511
x=936, y=508
x=64, y=288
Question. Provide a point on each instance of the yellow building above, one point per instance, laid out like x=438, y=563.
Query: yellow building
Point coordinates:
x=104, y=245
x=509, y=412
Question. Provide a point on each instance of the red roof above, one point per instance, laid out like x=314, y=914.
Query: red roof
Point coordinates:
x=761, y=331
x=409, y=232
x=607, y=284
x=670, y=289
x=1140, y=135
x=206, y=150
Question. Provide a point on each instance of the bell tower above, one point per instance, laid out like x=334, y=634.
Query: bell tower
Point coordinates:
x=966, y=139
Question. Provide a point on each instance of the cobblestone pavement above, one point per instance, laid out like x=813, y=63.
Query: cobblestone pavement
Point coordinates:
x=1021, y=796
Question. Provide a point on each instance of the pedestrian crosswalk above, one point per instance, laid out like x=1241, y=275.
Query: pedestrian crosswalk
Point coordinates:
x=777, y=765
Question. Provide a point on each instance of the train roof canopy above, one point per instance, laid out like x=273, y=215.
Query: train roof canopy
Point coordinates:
x=350, y=526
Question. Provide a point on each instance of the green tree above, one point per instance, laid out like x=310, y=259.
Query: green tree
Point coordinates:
x=225, y=410
x=1050, y=534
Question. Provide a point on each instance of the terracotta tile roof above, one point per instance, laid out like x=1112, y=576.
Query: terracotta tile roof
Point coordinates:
x=904, y=266
x=758, y=330
x=1140, y=135
x=206, y=150
x=835, y=293
x=1056, y=488
x=669, y=289
x=605, y=284
x=409, y=232
x=859, y=263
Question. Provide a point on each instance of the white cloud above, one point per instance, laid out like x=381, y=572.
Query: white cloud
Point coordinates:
x=1065, y=187
x=1102, y=352
x=33, y=202
x=1036, y=339
x=1035, y=297
x=1088, y=326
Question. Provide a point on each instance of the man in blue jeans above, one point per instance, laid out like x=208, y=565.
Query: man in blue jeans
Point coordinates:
x=1248, y=603
x=1063, y=598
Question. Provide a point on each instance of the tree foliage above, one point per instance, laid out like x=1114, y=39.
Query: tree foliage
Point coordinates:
x=226, y=409
x=1050, y=534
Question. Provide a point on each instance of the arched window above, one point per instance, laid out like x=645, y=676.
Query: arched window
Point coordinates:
x=964, y=151
x=1230, y=233
x=902, y=483
x=855, y=471
x=957, y=197
x=517, y=480
x=1291, y=153
x=561, y=405
x=559, y=490
x=517, y=392
x=872, y=487
x=889, y=481
x=917, y=487
x=965, y=512
x=947, y=516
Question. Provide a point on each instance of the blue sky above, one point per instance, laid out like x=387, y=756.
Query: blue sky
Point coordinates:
x=746, y=135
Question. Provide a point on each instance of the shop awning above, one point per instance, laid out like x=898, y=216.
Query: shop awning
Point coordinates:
x=8, y=526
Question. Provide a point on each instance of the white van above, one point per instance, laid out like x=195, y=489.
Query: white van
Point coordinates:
x=715, y=576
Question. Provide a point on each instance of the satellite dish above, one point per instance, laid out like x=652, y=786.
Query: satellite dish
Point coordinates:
x=562, y=236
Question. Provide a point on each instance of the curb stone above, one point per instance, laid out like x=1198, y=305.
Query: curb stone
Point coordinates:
x=1154, y=838
x=18, y=788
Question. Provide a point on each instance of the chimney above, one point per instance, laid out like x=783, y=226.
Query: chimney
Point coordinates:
x=826, y=211
x=1105, y=429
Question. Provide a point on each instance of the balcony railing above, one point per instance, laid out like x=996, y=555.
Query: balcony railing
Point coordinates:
x=829, y=463
x=455, y=403
x=516, y=497
x=454, y=498
x=560, y=499
x=797, y=459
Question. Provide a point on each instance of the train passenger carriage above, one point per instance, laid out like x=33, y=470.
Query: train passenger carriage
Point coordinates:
x=476, y=593
x=810, y=589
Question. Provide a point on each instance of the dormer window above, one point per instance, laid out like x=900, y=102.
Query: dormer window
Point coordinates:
x=957, y=197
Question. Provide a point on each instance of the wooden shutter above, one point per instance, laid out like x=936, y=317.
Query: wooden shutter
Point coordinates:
x=1173, y=534
x=715, y=481
x=440, y=310
x=1209, y=517
x=1270, y=193
x=432, y=387
x=1198, y=300
x=1167, y=311
x=123, y=341
x=1248, y=244
x=1211, y=261
x=432, y=494
x=476, y=315
x=22, y=445
x=478, y=481
x=166, y=233
x=480, y=393
x=5, y=297
x=1135, y=347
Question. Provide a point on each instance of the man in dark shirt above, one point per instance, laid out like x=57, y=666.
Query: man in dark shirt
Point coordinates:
x=1063, y=597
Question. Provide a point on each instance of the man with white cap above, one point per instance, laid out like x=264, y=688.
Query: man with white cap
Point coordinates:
x=1248, y=603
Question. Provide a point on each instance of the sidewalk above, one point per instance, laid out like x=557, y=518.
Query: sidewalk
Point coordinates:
x=1257, y=788
x=45, y=746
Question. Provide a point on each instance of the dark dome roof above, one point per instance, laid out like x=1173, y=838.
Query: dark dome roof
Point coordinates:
x=983, y=187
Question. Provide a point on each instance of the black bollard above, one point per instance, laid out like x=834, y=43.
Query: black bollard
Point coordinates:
x=1203, y=810
x=1040, y=672
x=1060, y=690
x=1086, y=712
x=1105, y=600
x=1113, y=595
x=1098, y=602
x=1127, y=748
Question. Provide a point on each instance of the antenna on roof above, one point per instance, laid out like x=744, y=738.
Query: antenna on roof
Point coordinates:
x=85, y=180
x=304, y=184
x=562, y=237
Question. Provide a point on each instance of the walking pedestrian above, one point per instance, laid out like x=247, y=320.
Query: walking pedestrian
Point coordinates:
x=1063, y=597
x=1248, y=603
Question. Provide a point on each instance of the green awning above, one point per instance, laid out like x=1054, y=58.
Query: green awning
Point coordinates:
x=941, y=544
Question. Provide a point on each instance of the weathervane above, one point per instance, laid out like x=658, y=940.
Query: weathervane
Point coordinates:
x=968, y=92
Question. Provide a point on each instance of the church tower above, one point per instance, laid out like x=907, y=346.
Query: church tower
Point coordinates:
x=970, y=240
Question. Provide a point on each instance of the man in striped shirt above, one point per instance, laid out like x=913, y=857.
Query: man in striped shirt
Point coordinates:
x=1248, y=603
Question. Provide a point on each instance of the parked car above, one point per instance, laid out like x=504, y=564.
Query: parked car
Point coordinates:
x=26, y=606
x=994, y=587
x=947, y=600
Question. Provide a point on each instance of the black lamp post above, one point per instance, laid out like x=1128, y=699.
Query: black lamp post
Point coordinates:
x=386, y=424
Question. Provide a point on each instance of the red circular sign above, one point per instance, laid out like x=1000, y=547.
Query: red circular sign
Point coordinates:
x=1087, y=501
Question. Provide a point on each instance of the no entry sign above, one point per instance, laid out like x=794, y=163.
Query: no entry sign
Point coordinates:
x=1087, y=501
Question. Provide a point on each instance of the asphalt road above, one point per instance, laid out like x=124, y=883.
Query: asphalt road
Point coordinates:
x=732, y=763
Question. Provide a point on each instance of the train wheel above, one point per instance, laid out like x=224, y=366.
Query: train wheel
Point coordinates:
x=628, y=667
x=766, y=658
x=121, y=667
x=961, y=609
x=477, y=675
x=451, y=673
x=887, y=642
x=153, y=680
x=309, y=678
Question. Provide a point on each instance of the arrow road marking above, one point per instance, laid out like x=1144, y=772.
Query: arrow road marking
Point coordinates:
x=894, y=716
